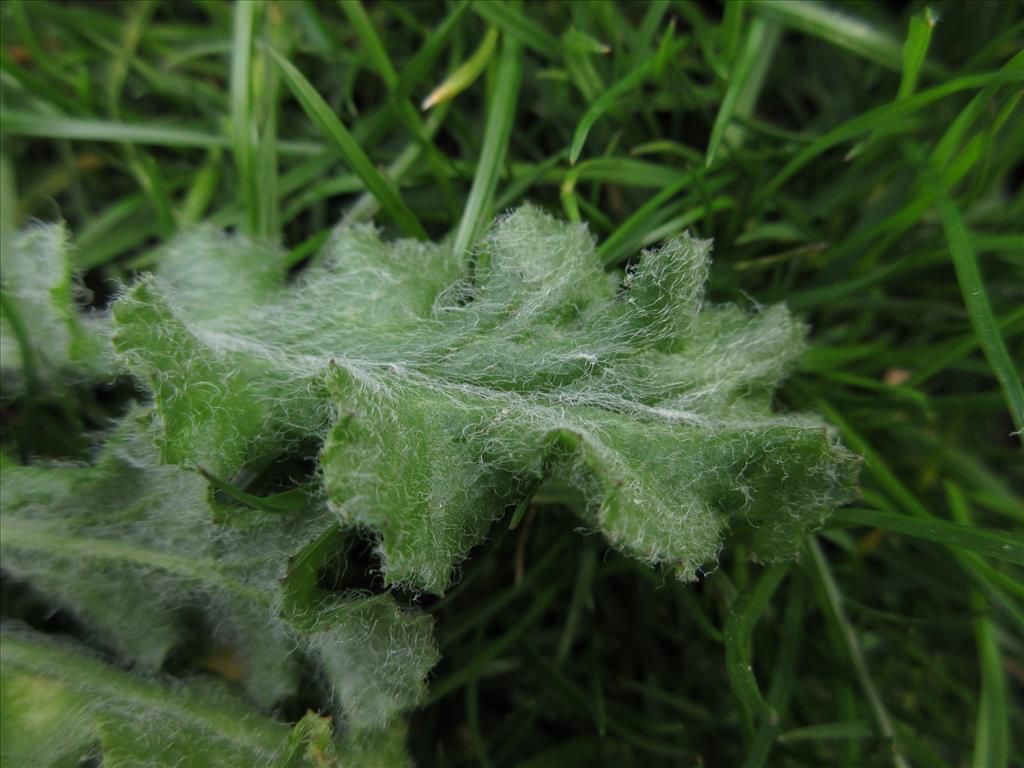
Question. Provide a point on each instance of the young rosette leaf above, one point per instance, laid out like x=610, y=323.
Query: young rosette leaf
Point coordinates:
x=131, y=547
x=63, y=706
x=446, y=390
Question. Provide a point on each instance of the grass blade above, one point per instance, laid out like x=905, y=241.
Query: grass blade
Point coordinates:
x=366, y=206
x=416, y=69
x=739, y=627
x=846, y=729
x=15, y=123
x=879, y=117
x=8, y=197
x=472, y=669
x=465, y=74
x=783, y=676
x=407, y=113
x=837, y=614
x=992, y=732
x=631, y=233
x=371, y=41
x=919, y=36
x=514, y=24
x=835, y=27
x=975, y=296
x=738, y=77
x=500, y=118
x=243, y=121
x=316, y=108
x=200, y=193
x=630, y=82
x=998, y=544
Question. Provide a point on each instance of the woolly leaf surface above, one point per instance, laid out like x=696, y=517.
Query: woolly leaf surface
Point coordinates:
x=44, y=339
x=130, y=545
x=445, y=391
x=62, y=705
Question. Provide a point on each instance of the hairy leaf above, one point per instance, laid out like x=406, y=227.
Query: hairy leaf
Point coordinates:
x=132, y=547
x=44, y=339
x=62, y=705
x=448, y=390
x=442, y=390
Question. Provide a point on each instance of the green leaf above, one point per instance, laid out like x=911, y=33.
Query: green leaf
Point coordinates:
x=998, y=544
x=500, y=118
x=877, y=119
x=465, y=74
x=992, y=730
x=835, y=612
x=129, y=546
x=243, y=123
x=49, y=682
x=627, y=84
x=407, y=113
x=370, y=40
x=743, y=618
x=919, y=35
x=62, y=705
x=972, y=287
x=742, y=72
x=15, y=123
x=329, y=124
x=44, y=340
x=836, y=27
x=447, y=392
x=847, y=729
x=511, y=20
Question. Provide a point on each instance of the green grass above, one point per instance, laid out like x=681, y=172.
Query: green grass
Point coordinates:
x=860, y=162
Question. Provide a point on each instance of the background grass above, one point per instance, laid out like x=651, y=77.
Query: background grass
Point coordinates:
x=861, y=162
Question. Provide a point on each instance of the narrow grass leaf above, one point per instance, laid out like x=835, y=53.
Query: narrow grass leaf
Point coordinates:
x=151, y=177
x=836, y=27
x=731, y=28
x=915, y=49
x=783, y=675
x=415, y=71
x=972, y=287
x=880, y=117
x=406, y=112
x=581, y=595
x=739, y=628
x=836, y=612
x=580, y=42
x=1009, y=324
x=605, y=101
x=15, y=123
x=464, y=75
x=741, y=72
x=243, y=121
x=371, y=42
x=8, y=197
x=200, y=193
x=285, y=501
x=515, y=24
x=753, y=84
x=997, y=544
x=617, y=245
x=472, y=669
x=328, y=123
x=846, y=729
x=500, y=119
x=992, y=730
